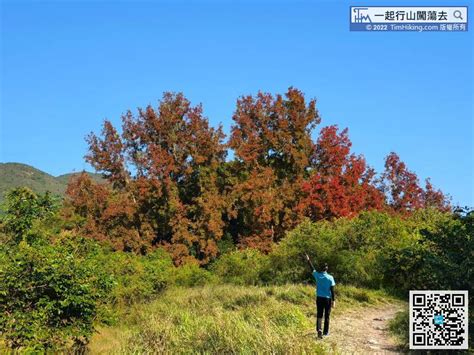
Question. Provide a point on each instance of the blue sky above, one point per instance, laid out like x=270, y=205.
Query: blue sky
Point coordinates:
x=68, y=65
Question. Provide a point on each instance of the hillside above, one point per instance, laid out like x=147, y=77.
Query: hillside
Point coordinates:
x=16, y=174
x=64, y=179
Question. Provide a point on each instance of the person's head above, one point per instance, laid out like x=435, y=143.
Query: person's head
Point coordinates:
x=324, y=267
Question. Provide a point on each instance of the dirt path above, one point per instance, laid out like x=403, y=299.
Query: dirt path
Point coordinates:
x=362, y=331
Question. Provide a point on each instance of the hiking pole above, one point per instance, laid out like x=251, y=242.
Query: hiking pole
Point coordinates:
x=309, y=261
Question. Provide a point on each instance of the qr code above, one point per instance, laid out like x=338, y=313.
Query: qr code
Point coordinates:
x=438, y=320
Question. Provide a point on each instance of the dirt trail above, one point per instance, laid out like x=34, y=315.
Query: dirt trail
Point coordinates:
x=362, y=331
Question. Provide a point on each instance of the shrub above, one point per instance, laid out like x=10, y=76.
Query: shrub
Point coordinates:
x=319, y=240
x=157, y=266
x=425, y=251
x=51, y=290
x=22, y=208
x=438, y=257
x=191, y=274
x=355, y=249
x=49, y=297
x=137, y=278
x=242, y=267
x=286, y=263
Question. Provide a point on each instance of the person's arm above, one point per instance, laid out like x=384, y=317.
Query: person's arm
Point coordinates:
x=310, y=263
x=333, y=293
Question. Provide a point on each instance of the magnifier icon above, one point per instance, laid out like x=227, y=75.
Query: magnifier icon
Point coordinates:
x=457, y=14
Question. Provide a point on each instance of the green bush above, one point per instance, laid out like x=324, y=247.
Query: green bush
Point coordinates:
x=440, y=258
x=286, y=263
x=49, y=297
x=51, y=290
x=22, y=208
x=373, y=249
x=137, y=278
x=243, y=267
x=190, y=275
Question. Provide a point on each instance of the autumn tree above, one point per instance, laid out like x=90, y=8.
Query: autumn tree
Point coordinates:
x=435, y=198
x=169, y=184
x=163, y=172
x=105, y=214
x=403, y=191
x=341, y=183
x=271, y=139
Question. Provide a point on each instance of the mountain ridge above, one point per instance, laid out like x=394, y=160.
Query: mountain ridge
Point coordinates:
x=14, y=174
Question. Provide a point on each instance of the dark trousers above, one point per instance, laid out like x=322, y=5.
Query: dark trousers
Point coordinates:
x=323, y=307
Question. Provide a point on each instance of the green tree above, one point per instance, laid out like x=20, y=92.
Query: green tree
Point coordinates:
x=442, y=258
x=50, y=292
x=22, y=208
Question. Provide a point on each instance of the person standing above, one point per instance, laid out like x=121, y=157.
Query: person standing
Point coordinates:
x=325, y=297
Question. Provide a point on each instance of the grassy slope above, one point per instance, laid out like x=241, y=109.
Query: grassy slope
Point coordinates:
x=227, y=319
x=15, y=174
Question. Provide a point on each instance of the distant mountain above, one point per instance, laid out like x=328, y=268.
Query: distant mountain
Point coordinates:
x=64, y=179
x=16, y=174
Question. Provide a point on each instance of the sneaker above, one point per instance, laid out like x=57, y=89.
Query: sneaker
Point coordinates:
x=325, y=334
x=320, y=334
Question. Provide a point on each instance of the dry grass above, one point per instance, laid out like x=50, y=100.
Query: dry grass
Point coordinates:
x=226, y=319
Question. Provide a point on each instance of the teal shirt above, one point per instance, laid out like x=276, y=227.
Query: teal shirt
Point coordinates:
x=324, y=281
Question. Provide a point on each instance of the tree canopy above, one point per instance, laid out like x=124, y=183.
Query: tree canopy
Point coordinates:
x=169, y=183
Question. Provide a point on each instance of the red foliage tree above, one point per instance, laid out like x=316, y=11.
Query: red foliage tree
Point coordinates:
x=341, y=184
x=105, y=214
x=435, y=198
x=272, y=142
x=163, y=174
x=403, y=191
x=168, y=183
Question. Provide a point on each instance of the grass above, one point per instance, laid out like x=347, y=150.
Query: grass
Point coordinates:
x=399, y=326
x=226, y=319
